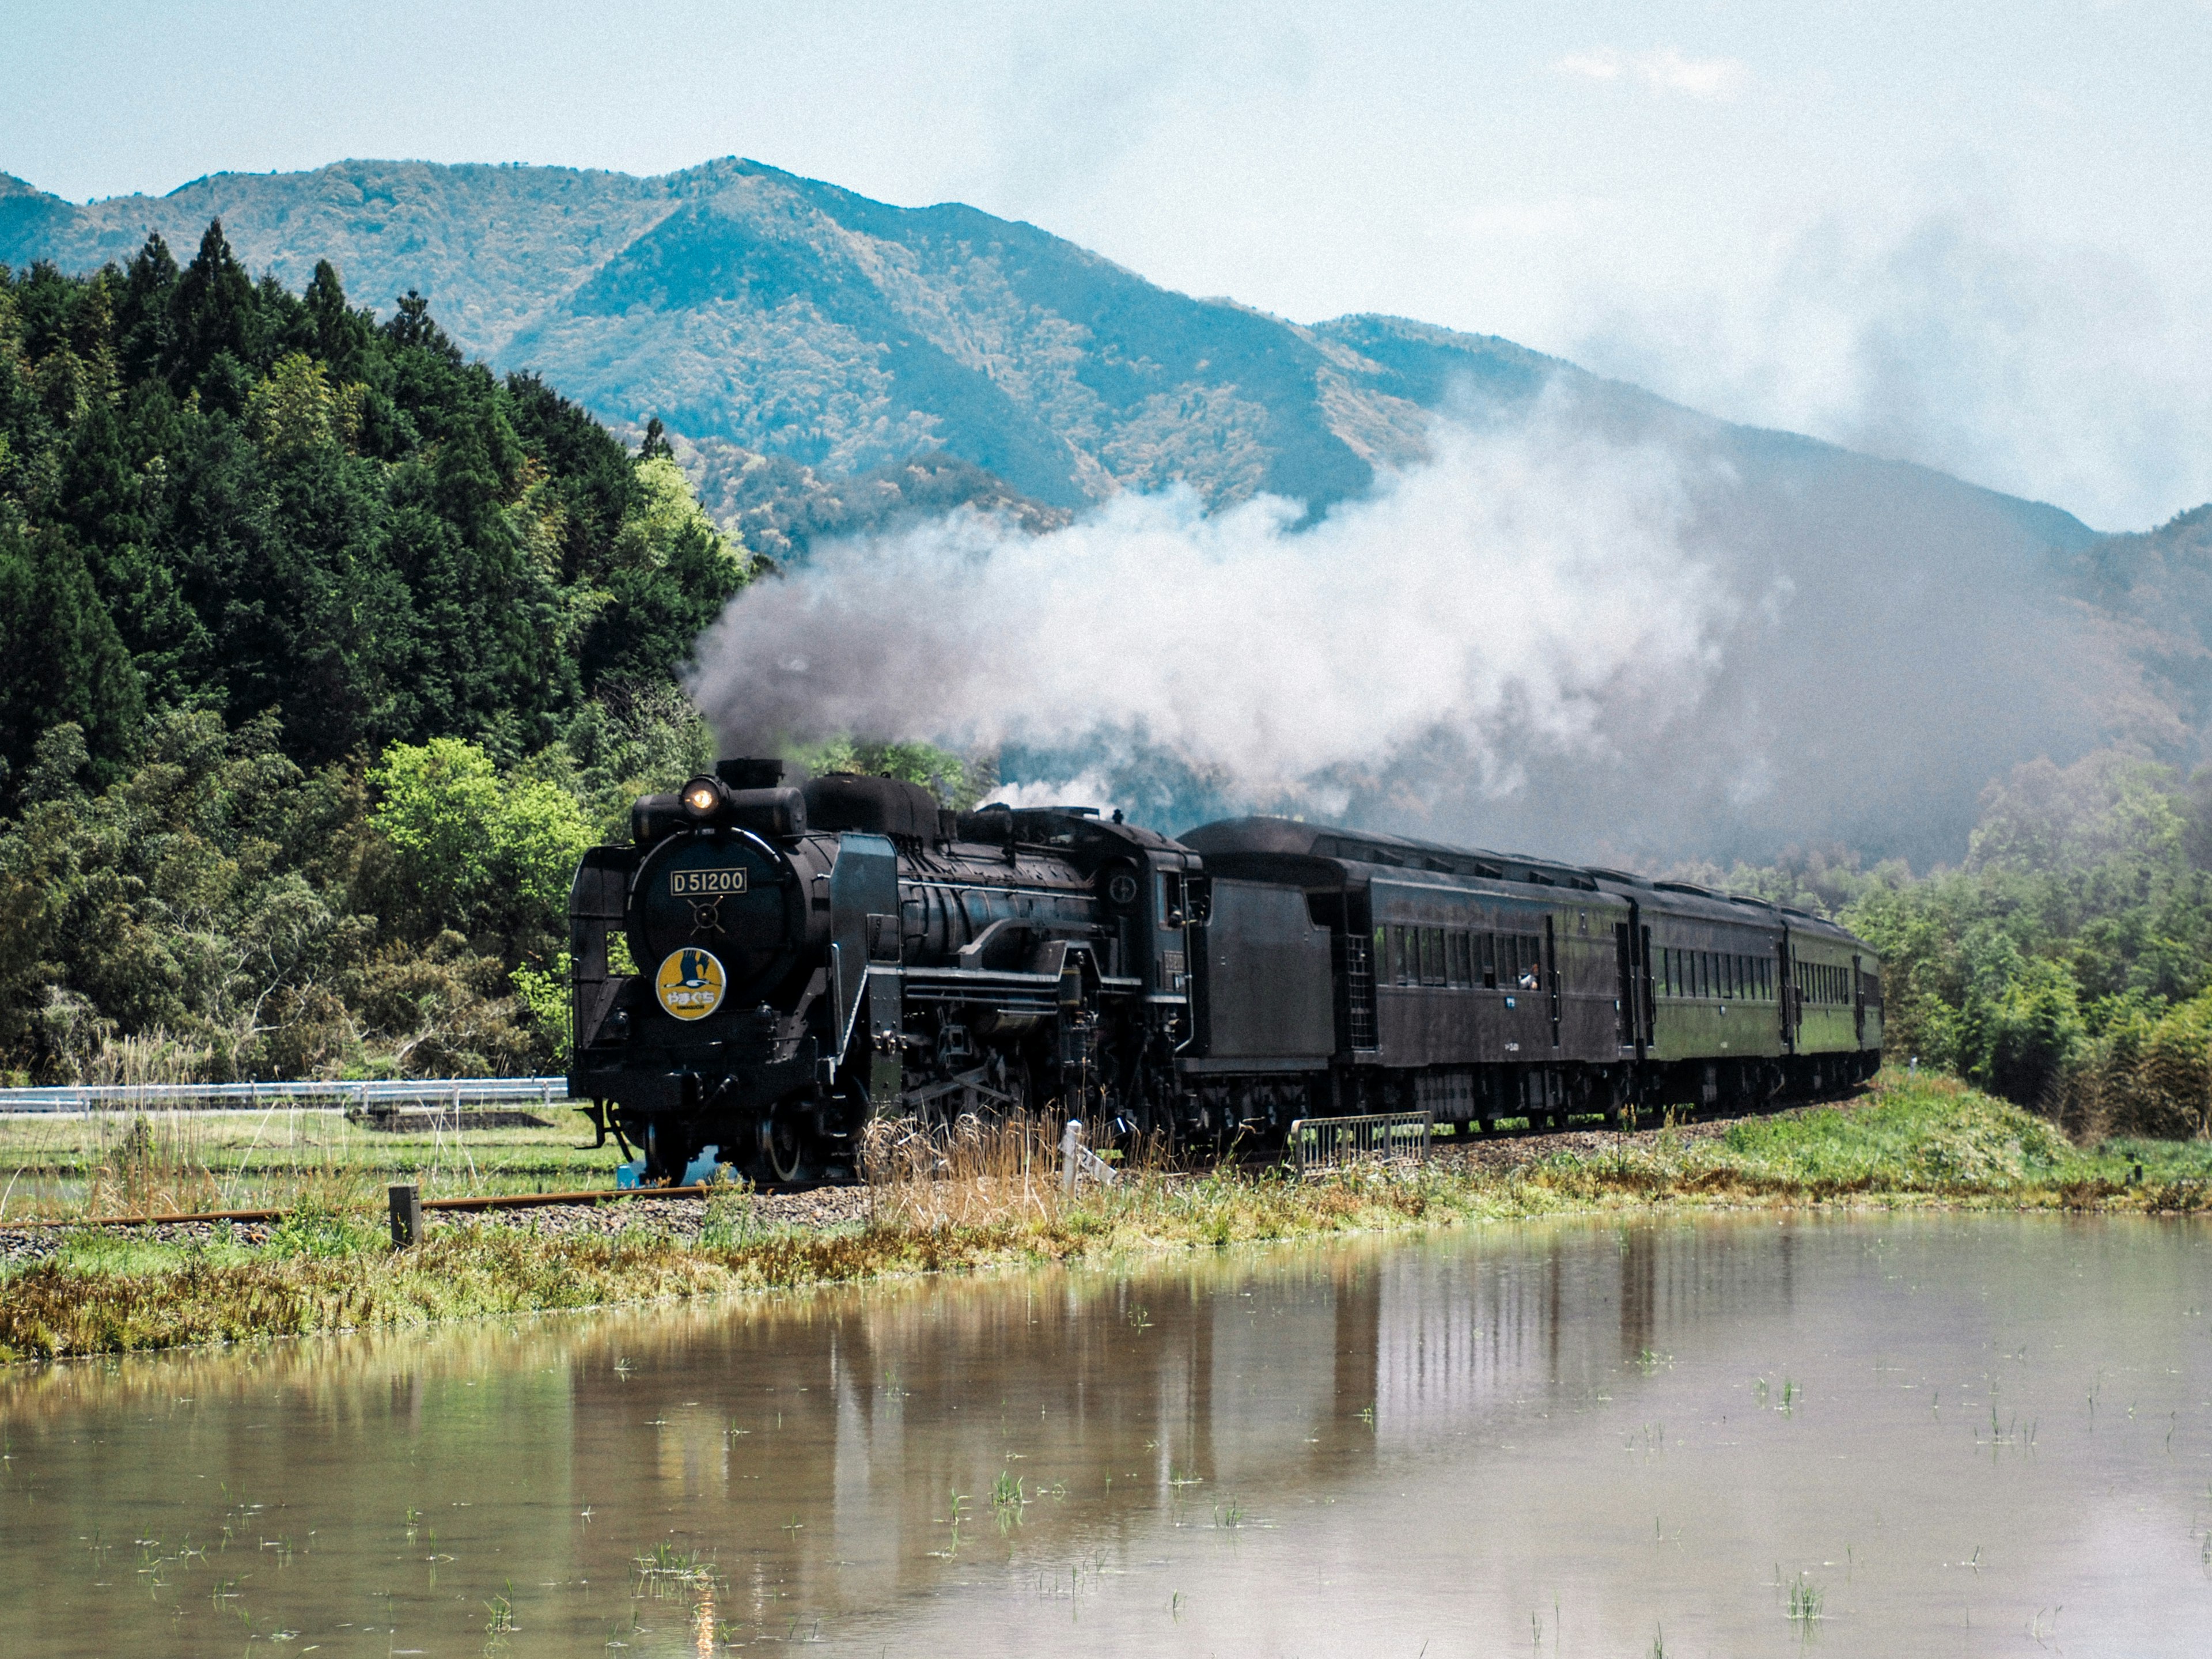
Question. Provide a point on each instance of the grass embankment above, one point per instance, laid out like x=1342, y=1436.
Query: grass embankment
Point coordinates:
x=120, y=1162
x=1911, y=1142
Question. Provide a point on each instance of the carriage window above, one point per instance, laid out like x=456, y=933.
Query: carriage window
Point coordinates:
x=1728, y=977
x=1489, y=961
x=1170, y=899
x=1460, y=959
x=1531, y=962
x=1402, y=966
x=1433, y=956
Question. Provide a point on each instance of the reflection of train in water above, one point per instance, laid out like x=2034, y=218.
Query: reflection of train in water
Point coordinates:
x=802, y=959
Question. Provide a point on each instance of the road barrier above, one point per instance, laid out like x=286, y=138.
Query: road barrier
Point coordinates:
x=1319, y=1144
x=387, y=1093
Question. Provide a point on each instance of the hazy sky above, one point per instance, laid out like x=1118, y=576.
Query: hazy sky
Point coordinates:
x=1973, y=235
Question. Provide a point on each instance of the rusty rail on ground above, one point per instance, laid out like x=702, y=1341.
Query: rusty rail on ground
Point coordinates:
x=486, y=1201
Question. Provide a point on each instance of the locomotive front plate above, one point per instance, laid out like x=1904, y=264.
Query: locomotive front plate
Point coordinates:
x=701, y=884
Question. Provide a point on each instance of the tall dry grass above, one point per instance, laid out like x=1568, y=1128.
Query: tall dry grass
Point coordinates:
x=977, y=1173
x=168, y=1163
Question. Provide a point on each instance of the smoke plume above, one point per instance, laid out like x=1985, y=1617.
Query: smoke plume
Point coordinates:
x=1571, y=631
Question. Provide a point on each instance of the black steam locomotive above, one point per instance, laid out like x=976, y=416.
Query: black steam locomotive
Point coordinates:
x=800, y=960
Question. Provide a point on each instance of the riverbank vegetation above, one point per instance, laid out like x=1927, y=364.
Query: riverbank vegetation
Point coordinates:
x=1912, y=1142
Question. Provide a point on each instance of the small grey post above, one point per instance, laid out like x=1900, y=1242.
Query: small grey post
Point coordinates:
x=406, y=1217
x=1071, y=1141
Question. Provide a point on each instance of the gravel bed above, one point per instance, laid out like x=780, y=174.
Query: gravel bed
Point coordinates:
x=679, y=1217
x=21, y=1246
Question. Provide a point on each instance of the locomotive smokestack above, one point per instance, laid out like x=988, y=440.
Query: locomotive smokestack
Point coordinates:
x=750, y=773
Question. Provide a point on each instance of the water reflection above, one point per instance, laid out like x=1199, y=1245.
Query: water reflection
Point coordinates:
x=1585, y=1437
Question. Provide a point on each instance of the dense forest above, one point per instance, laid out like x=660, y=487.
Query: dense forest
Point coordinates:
x=322, y=652
x=2066, y=963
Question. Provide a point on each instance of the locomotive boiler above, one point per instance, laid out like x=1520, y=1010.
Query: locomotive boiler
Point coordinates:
x=763, y=967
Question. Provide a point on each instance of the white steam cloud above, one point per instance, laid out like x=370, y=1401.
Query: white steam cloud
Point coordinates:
x=1530, y=592
x=1606, y=629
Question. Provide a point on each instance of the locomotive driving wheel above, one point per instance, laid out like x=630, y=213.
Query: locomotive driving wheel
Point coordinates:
x=786, y=1150
x=666, y=1152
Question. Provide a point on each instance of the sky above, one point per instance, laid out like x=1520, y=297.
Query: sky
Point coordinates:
x=1971, y=235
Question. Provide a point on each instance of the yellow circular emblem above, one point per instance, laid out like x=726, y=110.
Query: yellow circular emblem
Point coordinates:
x=690, y=983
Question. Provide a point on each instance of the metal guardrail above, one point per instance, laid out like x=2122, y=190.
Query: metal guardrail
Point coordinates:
x=454, y=1092
x=1319, y=1144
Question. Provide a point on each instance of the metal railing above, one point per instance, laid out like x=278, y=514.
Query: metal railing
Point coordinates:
x=1319, y=1144
x=452, y=1093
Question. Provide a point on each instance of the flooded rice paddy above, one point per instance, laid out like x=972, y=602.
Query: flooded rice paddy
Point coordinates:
x=1957, y=1435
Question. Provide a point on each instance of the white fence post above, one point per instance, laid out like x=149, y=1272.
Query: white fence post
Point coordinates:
x=1071, y=1143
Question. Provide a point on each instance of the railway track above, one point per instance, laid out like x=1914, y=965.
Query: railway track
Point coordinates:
x=1253, y=1164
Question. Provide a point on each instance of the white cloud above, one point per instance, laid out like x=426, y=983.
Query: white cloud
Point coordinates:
x=1959, y=337
x=1603, y=64
x=1663, y=69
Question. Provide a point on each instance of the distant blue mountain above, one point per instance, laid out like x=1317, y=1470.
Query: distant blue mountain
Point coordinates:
x=747, y=307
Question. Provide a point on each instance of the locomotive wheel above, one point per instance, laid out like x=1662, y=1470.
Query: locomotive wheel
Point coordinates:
x=664, y=1154
x=787, y=1151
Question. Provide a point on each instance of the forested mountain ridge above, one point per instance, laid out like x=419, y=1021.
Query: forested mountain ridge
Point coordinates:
x=746, y=308
x=323, y=652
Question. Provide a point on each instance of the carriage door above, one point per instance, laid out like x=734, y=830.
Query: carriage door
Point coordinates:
x=1787, y=982
x=1552, y=959
x=1632, y=953
x=1624, y=984
x=1859, y=1004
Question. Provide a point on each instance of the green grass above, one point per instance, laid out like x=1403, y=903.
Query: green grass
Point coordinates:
x=1911, y=1142
x=55, y=1166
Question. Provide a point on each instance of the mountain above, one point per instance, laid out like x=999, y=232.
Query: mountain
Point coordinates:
x=754, y=311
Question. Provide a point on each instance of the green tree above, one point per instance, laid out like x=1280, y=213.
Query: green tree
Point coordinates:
x=474, y=850
x=61, y=659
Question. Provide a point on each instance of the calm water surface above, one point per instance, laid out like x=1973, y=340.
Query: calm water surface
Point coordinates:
x=1948, y=1435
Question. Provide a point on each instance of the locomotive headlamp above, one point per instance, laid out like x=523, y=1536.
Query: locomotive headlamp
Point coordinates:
x=701, y=798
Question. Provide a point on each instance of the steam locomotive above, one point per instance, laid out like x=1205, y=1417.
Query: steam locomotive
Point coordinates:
x=764, y=968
